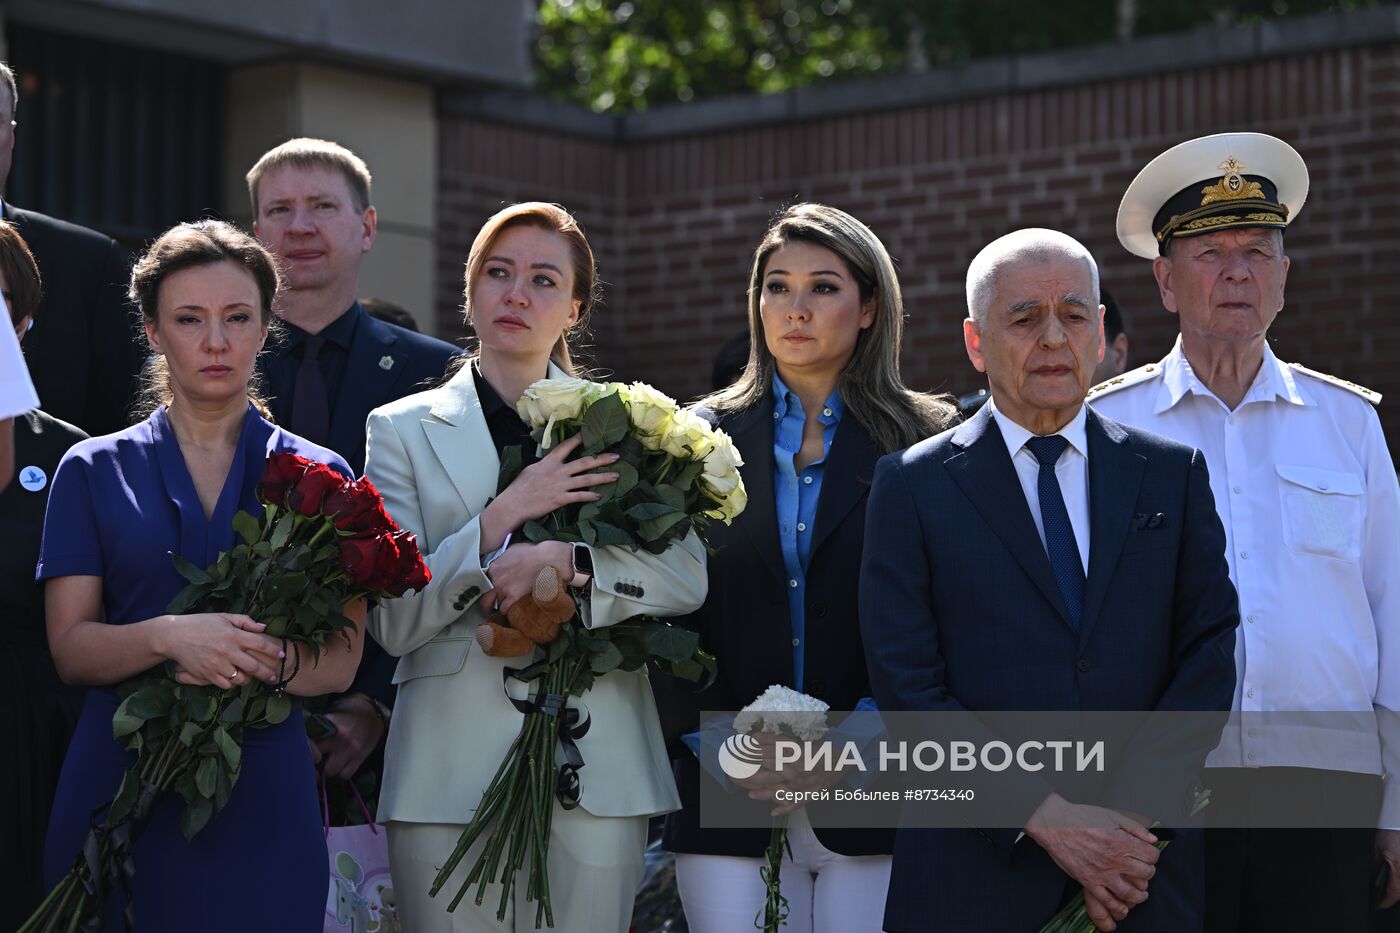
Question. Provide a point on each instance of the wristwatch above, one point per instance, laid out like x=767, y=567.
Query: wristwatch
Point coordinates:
x=582, y=561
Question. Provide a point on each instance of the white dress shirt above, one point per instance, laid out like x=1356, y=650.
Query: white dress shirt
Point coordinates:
x=16, y=391
x=1071, y=470
x=1307, y=492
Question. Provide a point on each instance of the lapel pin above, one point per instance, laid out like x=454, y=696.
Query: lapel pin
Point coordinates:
x=33, y=479
x=386, y=362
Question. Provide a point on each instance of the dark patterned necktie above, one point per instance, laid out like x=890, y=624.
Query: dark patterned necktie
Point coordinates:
x=311, y=411
x=1059, y=533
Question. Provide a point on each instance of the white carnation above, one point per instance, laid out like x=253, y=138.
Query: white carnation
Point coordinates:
x=783, y=709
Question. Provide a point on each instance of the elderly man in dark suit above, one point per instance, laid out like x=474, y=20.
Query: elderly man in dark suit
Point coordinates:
x=1006, y=568
x=83, y=353
x=335, y=363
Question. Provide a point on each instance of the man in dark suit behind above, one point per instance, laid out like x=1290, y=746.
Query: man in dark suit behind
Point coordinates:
x=335, y=363
x=1042, y=557
x=82, y=353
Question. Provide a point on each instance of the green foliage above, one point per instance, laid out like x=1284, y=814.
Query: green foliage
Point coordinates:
x=632, y=55
x=620, y=55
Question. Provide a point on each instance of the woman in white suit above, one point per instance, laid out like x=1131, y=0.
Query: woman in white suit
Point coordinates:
x=530, y=280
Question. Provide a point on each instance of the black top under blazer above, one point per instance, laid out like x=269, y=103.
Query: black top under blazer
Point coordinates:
x=745, y=623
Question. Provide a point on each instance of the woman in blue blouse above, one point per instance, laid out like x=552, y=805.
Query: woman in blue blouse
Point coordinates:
x=120, y=505
x=818, y=403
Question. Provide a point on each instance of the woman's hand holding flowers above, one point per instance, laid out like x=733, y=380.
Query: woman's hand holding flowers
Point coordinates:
x=209, y=647
x=553, y=482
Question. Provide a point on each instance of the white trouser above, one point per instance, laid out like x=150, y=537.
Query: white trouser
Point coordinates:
x=826, y=892
x=595, y=867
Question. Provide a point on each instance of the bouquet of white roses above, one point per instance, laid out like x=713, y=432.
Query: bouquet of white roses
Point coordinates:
x=780, y=710
x=675, y=474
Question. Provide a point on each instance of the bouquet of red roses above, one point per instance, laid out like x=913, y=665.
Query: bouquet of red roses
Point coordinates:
x=321, y=542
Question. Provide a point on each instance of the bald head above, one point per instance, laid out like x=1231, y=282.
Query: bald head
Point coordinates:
x=1015, y=250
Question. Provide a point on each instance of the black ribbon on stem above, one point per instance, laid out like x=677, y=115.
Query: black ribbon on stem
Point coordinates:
x=572, y=725
x=120, y=839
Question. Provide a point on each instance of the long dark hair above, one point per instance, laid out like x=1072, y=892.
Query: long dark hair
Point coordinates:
x=870, y=385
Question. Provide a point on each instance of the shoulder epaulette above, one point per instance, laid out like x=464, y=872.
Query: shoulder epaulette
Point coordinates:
x=1130, y=378
x=1369, y=395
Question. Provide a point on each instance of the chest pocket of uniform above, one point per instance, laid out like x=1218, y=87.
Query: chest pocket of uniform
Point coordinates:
x=1322, y=511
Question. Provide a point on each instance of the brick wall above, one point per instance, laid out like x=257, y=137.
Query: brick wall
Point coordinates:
x=674, y=219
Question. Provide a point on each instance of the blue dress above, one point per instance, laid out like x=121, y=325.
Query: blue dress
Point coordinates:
x=118, y=506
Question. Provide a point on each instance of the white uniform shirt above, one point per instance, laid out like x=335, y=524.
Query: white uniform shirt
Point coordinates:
x=16, y=391
x=1071, y=471
x=1307, y=492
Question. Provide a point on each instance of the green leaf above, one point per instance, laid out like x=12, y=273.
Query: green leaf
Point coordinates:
x=247, y=527
x=233, y=712
x=587, y=533
x=187, y=598
x=591, y=510
x=627, y=478
x=189, y=734
x=150, y=701
x=205, y=777
x=195, y=816
x=123, y=723
x=535, y=532
x=654, y=528
x=604, y=423
x=278, y=708
x=672, y=496
x=233, y=755
x=608, y=659
x=281, y=587
x=512, y=462
x=611, y=535
x=671, y=642
x=125, y=799
x=189, y=571
x=643, y=511
x=283, y=531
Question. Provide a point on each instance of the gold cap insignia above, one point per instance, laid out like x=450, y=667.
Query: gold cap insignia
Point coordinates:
x=1232, y=187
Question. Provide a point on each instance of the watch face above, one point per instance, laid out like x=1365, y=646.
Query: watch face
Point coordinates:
x=583, y=560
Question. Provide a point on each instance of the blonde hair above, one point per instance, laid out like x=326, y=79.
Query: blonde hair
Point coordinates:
x=306, y=152
x=870, y=385
x=555, y=219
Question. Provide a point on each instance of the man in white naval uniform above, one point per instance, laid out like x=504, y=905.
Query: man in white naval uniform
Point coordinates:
x=1307, y=492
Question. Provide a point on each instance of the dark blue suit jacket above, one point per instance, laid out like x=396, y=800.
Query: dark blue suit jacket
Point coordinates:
x=414, y=362
x=960, y=611
x=745, y=623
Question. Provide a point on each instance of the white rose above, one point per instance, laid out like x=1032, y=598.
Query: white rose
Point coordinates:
x=723, y=457
x=731, y=505
x=686, y=435
x=559, y=399
x=721, y=486
x=650, y=411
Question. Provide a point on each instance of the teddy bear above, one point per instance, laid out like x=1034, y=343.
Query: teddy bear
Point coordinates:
x=531, y=621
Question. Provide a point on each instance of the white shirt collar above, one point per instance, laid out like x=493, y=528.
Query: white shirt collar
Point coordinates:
x=1273, y=381
x=1015, y=436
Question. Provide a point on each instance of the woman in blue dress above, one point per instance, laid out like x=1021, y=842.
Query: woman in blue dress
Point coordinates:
x=120, y=505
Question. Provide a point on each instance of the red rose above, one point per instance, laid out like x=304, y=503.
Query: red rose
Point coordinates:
x=359, y=557
x=282, y=472
x=412, y=573
x=358, y=508
x=386, y=566
x=307, y=494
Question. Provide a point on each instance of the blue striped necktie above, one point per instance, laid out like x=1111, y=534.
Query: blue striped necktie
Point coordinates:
x=1059, y=533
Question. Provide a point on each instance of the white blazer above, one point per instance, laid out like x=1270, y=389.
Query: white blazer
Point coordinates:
x=432, y=457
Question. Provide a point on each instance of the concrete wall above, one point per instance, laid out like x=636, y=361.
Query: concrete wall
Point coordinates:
x=485, y=42
x=389, y=122
x=676, y=210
